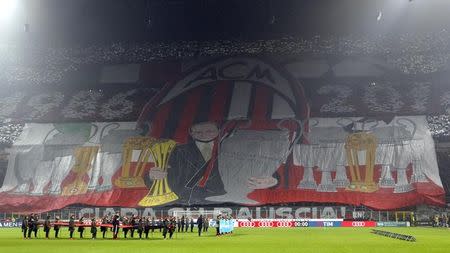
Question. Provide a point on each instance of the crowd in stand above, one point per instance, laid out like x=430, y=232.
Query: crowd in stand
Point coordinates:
x=410, y=53
x=120, y=226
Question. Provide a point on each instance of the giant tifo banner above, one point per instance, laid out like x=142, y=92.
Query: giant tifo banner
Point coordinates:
x=336, y=86
x=235, y=130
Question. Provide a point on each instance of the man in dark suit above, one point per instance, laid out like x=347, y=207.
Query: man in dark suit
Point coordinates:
x=116, y=224
x=125, y=229
x=192, y=172
x=25, y=227
x=182, y=222
x=132, y=224
x=200, y=225
x=148, y=224
x=94, y=228
x=47, y=227
x=103, y=226
x=140, y=226
x=192, y=225
x=81, y=227
x=165, y=224
x=30, y=225
x=178, y=224
x=172, y=227
x=56, y=226
x=71, y=226
x=35, y=225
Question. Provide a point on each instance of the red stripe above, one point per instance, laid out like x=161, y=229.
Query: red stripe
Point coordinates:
x=211, y=164
x=89, y=225
x=153, y=104
x=219, y=102
x=217, y=114
x=261, y=99
x=188, y=115
x=158, y=122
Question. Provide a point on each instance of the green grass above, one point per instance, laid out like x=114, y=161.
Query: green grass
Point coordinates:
x=259, y=240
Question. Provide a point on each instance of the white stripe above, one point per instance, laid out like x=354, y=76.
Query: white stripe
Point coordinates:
x=240, y=100
x=281, y=109
x=135, y=156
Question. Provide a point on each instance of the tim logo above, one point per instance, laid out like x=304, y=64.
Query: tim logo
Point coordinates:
x=328, y=224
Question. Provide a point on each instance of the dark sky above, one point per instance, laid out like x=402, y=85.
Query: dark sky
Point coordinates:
x=87, y=21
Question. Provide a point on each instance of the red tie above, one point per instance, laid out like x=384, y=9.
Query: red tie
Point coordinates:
x=210, y=167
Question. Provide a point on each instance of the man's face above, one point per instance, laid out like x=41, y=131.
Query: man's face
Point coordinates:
x=205, y=132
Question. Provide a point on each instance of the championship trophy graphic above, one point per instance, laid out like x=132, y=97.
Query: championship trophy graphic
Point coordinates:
x=361, y=142
x=160, y=192
x=84, y=159
x=133, y=179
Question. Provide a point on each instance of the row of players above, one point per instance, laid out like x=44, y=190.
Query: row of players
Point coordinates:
x=143, y=225
x=441, y=220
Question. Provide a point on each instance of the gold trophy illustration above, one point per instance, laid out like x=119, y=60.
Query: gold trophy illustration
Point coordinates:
x=160, y=192
x=134, y=179
x=367, y=143
x=84, y=159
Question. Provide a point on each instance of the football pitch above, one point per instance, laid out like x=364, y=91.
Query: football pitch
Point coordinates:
x=242, y=240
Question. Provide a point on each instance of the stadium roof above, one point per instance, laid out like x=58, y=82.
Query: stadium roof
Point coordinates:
x=86, y=21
